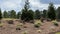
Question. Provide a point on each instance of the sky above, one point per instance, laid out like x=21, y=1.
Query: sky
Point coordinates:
x=17, y=5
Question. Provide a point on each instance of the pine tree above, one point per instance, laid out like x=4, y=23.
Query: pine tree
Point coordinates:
x=58, y=13
x=30, y=15
x=51, y=12
x=0, y=14
x=12, y=14
x=26, y=7
x=26, y=14
x=5, y=14
x=45, y=13
x=18, y=15
x=37, y=14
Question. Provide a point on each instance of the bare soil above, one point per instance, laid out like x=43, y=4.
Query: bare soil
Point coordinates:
x=45, y=28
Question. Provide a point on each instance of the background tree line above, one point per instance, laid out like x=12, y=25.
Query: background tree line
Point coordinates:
x=29, y=14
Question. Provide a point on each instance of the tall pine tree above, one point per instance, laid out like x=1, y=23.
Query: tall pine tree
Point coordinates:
x=51, y=12
x=37, y=14
x=26, y=16
x=18, y=15
x=5, y=14
x=12, y=14
x=58, y=13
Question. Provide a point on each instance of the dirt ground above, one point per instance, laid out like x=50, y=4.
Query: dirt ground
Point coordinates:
x=45, y=28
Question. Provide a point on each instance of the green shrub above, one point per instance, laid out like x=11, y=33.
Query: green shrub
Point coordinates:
x=55, y=23
x=37, y=25
x=1, y=24
x=25, y=32
x=18, y=28
x=19, y=25
x=39, y=31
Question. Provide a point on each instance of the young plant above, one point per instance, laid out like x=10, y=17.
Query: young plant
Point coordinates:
x=55, y=23
x=10, y=22
x=18, y=26
x=1, y=24
x=37, y=25
x=38, y=31
x=25, y=32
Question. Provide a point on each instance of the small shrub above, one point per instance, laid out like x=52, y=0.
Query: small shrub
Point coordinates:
x=1, y=24
x=10, y=22
x=18, y=28
x=37, y=25
x=38, y=31
x=20, y=24
x=55, y=23
x=42, y=20
x=25, y=32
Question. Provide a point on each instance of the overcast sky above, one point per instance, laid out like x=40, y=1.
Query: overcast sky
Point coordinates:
x=17, y=5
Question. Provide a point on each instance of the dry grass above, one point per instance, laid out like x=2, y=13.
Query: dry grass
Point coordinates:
x=57, y=33
x=9, y=19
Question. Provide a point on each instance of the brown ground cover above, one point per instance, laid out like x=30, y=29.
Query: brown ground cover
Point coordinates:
x=45, y=28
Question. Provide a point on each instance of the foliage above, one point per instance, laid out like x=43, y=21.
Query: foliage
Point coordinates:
x=1, y=24
x=37, y=14
x=5, y=14
x=18, y=15
x=25, y=32
x=37, y=25
x=27, y=14
x=30, y=15
x=0, y=14
x=45, y=13
x=12, y=14
x=19, y=25
x=55, y=23
x=51, y=12
x=58, y=13
x=24, y=15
